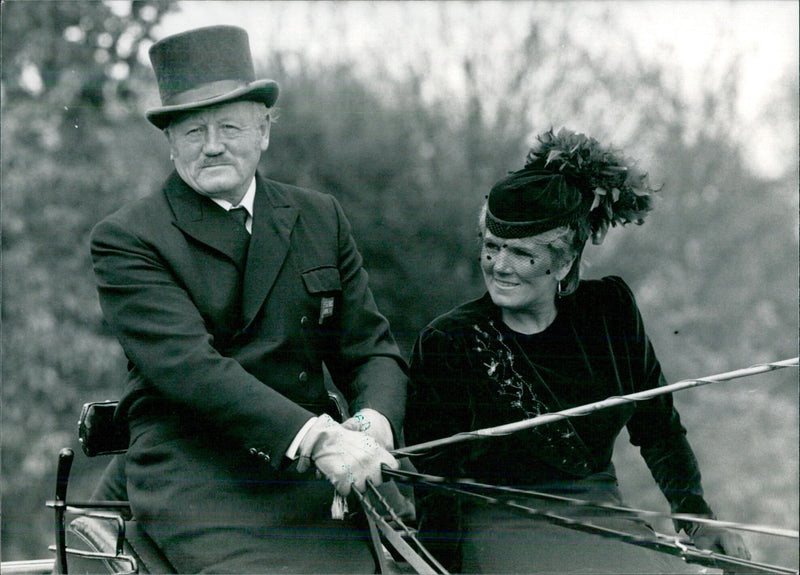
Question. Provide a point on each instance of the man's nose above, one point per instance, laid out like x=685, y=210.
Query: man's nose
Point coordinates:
x=213, y=145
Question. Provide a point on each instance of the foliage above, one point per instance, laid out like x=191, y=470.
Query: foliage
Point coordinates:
x=63, y=169
x=81, y=53
x=714, y=268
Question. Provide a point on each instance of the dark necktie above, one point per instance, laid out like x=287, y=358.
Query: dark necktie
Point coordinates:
x=240, y=215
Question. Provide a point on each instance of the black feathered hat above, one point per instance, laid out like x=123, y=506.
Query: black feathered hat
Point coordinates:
x=568, y=180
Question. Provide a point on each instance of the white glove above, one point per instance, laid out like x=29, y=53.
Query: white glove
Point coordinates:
x=347, y=458
x=374, y=424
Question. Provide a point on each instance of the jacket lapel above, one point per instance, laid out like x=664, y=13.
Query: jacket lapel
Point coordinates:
x=204, y=221
x=273, y=220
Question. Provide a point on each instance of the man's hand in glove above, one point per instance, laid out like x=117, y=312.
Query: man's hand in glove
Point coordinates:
x=347, y=458
x=373, y=424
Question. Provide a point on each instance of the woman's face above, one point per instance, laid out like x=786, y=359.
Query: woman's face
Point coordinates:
x=520, y=274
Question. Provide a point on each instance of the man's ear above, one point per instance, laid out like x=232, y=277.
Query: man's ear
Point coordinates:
x=265, y=127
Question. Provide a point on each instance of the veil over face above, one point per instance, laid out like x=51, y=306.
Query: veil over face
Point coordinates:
x=521, y=273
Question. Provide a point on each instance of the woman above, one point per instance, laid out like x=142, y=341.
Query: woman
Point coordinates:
x=542, y=340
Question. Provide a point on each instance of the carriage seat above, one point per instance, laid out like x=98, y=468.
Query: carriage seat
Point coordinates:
x=100, y=536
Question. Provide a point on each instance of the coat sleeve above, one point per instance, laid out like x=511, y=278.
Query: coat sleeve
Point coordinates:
x=655, y=426
x=368, y=367
x=438, y=407
x=439, y=399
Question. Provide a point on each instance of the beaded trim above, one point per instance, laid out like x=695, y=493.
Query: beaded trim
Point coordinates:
x=505, y=229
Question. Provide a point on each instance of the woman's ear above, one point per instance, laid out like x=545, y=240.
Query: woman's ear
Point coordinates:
x=563, y=270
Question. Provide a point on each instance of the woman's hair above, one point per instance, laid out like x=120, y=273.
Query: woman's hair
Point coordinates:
x=565, y=243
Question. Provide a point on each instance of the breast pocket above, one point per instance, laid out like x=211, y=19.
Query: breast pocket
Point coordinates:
x=325, y=288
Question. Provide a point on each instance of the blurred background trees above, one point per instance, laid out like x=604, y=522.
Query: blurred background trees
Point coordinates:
x=714, y=269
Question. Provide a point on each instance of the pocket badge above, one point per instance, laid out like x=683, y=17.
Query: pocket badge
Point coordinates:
x=325, y=308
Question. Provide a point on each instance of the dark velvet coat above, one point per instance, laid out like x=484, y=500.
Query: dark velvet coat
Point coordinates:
x=226, y=345
x=470, y=371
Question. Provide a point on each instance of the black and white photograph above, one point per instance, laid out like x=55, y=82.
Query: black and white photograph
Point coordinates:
x=395, y=286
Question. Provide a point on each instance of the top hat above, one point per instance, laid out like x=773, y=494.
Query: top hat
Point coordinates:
x=205, y=67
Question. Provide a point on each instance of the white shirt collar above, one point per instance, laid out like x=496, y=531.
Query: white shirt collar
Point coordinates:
x=246, y=203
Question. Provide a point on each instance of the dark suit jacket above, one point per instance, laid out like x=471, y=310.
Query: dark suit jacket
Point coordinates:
x=226, y=345
x=232, y=338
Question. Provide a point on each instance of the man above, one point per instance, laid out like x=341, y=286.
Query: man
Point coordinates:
x=228, y=327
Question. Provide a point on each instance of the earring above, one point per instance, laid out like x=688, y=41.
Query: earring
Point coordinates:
x=559, y=290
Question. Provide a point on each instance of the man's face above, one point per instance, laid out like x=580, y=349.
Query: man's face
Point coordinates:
x=216, y=150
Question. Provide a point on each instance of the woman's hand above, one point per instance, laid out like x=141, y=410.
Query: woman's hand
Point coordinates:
x=720, y=541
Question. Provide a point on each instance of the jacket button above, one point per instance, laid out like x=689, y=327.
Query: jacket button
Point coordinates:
x=304, y=321
x=264, y=456
x=303, y=377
